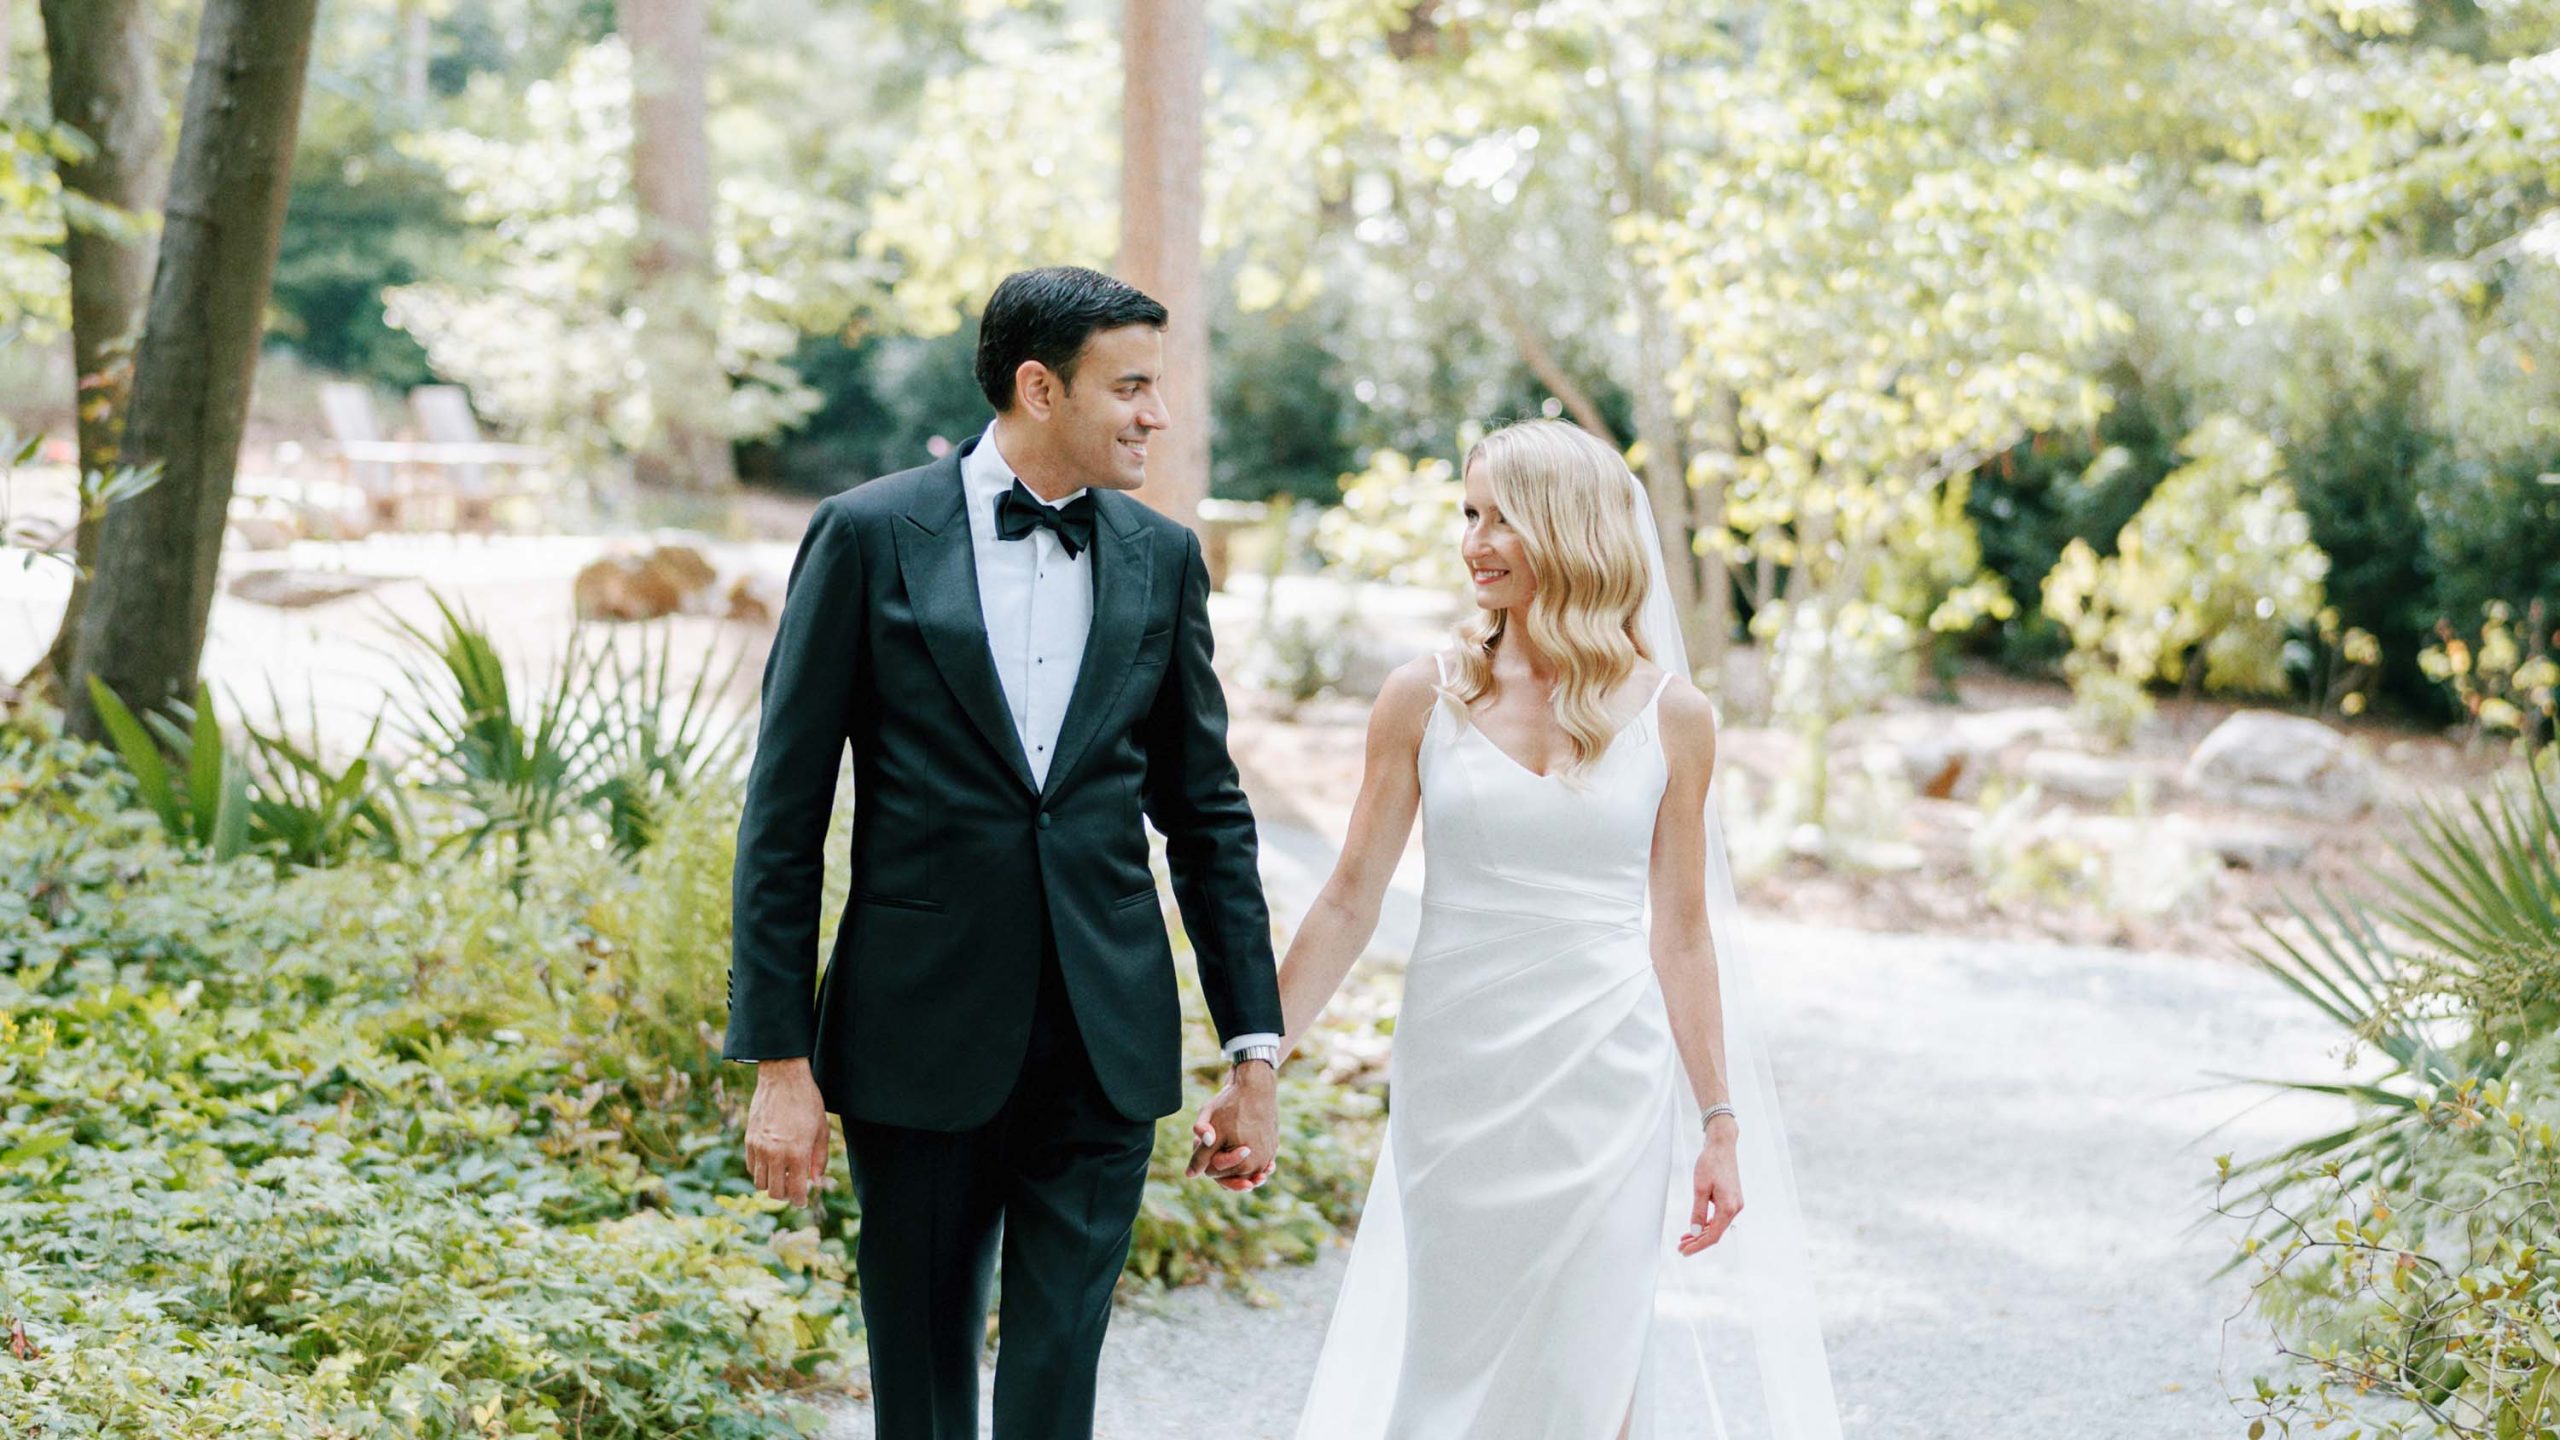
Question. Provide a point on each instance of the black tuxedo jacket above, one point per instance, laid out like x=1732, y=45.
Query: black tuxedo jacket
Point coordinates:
x=925, y=1009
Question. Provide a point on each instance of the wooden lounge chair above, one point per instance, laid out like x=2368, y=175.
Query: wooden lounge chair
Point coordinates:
x=483, y=473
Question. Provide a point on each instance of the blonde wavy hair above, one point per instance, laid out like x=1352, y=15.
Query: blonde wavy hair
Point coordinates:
x=1568, y=495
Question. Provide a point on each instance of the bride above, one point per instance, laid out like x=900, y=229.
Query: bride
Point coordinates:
x=1578, y=1101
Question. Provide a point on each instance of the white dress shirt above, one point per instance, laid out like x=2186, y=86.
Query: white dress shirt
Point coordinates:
x=1038, y=606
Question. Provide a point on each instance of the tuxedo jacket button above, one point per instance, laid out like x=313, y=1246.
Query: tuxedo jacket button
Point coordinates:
x=1044, y=820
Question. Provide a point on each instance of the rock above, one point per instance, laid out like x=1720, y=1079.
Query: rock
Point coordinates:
x=749, y=598
x=2266, y=760
x=642, y=587
x=2096, y=779
x=2256, y=847
x=1947, y=758
x=683, y=567
x=291, y=589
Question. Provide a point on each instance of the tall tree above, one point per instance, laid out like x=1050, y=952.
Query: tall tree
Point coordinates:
x=1165, y=56
x=143, y=628
x=688, y=442
x=105, y=86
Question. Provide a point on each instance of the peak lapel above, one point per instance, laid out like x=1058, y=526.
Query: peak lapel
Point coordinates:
x=1123, y=589
x=940, y=569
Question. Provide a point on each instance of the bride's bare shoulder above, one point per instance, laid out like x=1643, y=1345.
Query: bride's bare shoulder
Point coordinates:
x=1688, y=722
x=1404, y=701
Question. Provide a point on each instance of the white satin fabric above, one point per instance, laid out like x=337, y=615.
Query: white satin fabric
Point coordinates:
x=1516, y=1275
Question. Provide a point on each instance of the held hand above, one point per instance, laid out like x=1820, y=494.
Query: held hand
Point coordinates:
x=1718, y=1182
x=787, y=1132
x=1236, y=1139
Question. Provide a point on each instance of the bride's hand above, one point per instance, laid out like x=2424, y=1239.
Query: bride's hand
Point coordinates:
x=1718, y=1184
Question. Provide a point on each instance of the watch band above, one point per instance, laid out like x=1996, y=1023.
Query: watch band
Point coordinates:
x=1267, y=1054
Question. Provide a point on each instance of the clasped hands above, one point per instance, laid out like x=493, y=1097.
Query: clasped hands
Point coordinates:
x=1236, y=1137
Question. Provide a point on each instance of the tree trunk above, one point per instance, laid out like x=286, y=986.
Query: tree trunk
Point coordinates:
x=143, y=628
x=417, y=47
x=104, y=85
x=678, y=290
x=1535, y=353
x=1164, y=46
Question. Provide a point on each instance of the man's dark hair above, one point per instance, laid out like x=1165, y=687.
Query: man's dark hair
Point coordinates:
x=1047, y=315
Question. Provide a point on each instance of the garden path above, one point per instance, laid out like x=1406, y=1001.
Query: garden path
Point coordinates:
x=2002, y=1150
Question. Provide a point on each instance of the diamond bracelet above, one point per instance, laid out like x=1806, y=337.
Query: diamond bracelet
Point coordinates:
x=1707, y=1116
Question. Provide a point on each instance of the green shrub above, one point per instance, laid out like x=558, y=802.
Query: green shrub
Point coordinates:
x=2405, y=1258
x=340, y=1153
x=436, y=1148
x=608, y=737
x=2207, y=581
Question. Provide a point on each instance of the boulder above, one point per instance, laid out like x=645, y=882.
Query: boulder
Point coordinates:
x=2094, y=779
x=750, y=597
x=2255, y=846
x=291, y=589
x=2269, y=761
x=661, y=581
x=1947, y=758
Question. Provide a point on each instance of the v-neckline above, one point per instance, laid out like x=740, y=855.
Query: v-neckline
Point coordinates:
x=1468, y=719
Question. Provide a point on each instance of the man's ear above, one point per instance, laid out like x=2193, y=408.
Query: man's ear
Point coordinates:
x=1036, y=389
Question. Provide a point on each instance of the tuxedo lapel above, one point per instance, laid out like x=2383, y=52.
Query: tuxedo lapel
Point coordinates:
x=1123, y=589
x=940, y=567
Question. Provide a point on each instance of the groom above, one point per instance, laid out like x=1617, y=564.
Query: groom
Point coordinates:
x=1018, y=655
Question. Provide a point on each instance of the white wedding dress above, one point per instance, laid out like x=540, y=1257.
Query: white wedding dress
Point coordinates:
x=1535, y=1093
x=1516, y=1274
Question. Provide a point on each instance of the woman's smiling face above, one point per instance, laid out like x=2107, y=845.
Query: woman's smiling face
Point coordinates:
x=1496, y=555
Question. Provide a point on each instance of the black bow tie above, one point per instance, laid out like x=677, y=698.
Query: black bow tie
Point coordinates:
x=1019, y=512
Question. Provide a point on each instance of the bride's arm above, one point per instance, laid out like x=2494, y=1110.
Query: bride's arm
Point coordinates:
x=1345, y=914
x=1684, y=957
x=1684, y=952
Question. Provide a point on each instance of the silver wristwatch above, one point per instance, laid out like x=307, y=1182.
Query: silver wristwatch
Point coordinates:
x=1267, y=1054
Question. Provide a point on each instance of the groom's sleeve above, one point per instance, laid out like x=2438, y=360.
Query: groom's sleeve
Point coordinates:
x=791, y=789
x=1194, y=798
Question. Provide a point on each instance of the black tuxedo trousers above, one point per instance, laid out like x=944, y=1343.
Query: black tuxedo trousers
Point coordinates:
x=997, y=1022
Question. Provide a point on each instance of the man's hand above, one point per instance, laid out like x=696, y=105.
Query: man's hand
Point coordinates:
x=1718, y=1186
x=1236, y=1140
x=787, y=1131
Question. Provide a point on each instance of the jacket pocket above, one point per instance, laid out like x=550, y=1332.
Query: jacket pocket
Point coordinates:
x=897, y=902
x=1131, y=902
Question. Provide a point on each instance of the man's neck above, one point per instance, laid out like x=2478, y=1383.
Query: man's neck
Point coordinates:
x=1023, y=454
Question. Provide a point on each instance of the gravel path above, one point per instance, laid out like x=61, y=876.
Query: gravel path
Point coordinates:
x=2003, y=1154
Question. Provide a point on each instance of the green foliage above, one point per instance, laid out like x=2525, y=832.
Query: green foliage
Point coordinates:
x=2207, y=580
x=2403, y=1257
x=547, y=333
x=207, y=804
x=98, y=489
x=2443, y=979
x=361, y=1151
x=415, y=1146
x=34, y=296
x=611, y=737
x=1398, y=522
x=2508, y=684
x=274, y=797
x=368, y=215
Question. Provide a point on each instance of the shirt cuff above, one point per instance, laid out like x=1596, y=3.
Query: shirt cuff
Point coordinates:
x=1242, y=1041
